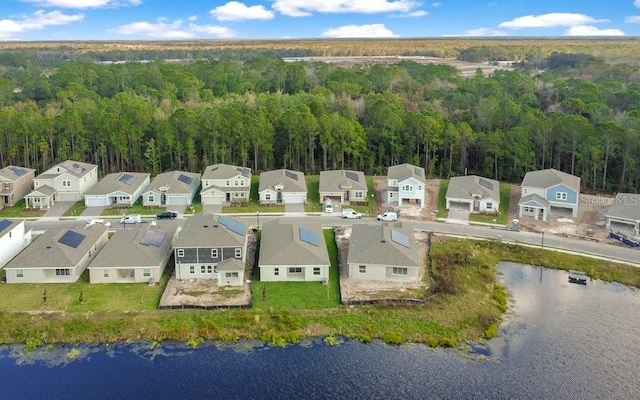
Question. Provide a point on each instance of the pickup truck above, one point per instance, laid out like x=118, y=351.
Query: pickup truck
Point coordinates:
x=350, y=213
x=388, y=216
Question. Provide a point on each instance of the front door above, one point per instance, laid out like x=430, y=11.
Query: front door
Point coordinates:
x=279, y=196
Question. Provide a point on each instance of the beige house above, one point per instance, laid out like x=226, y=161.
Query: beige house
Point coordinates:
x=343, y=186
x=293, y=252
x=625, y=210
x=67, y=181
x=13, y=239
x=57, y=256
x=386, y=253
x=15, y=183
x=117, y=189
x=174, y=188
x=475, y=193
x=282, y=186
x=406, y=185
x=134, y=255
x=223, y=183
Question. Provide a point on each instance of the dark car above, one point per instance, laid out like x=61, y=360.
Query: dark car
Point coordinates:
x=167, y=215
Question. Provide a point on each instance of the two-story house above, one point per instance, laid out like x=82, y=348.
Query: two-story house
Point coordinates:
x=174, y=188
x=203, y=245
x=13, y=239
x=67, y=181
x=405, y=185
x=223, y=183
x=15, y=183
x=117, y=189
x=282, y=186
x=547, y=189
x=343, y=186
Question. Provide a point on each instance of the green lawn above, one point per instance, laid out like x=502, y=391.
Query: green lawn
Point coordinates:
x=442, y=199
x=254, y=202
x=313, y=194
x=137, y=208
x=18, y=210
x=301, y=295
x=371, y=208
x=501, y=217
x=75, y=209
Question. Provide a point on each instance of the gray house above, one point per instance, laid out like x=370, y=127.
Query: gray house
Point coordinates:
x=343, y=186
x=117, y=189
x=67, y=181
x=224, y=183
x=282, y=186
x=15, y=183
x=547, y=189
x=473, y=192
x=625, y=210
x=174, y=188
x=386, y=253
x=293, y=252
x=204, y=242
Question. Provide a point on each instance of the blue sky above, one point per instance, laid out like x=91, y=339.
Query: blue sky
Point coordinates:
x=277, y=19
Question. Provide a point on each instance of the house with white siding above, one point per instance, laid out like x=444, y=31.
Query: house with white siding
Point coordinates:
x=282, y=186
x=224, y=183
x=406, y=185
x=67, y=181
x=473, y=192
x=544, y=190
x=13, y=239
x=117, y=189
x=174, y=188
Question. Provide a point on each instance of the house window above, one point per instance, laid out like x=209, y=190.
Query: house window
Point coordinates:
x=489, y=206
x=267, y=196
x=180, y=252
x=214, y=253
x=236, y=183
x=238, y=252
x=529, y=209
x=66, y=183
x=316, y=270
x=561, y=195
x=359, y=194
x=230, y=274
x=63, y=272
x=11, y=235
x=146, y=272
x=105, y=273
x=407, y=188
x=419, y=187
x=295, y=270
x=400, y=271
x=227, y=183
x=36, y=199
x=19, y=273
x=362, y=269
x=202, y=269
x=276, y=271
x=7, y=186
x=151, y=198
x=192, y=269
x=209, y=269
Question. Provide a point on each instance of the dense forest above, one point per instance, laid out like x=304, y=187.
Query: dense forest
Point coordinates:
x=574, y=112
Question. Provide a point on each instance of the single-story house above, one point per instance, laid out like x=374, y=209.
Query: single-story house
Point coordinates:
x=117, y=189
x=67, y=181
x=58, y=255
x=406, y=185
x=625, y=210
x=343, y=186
x=223, y=183
x=15, y=183
x=204, y=242
x=474, y=193
x=544, y=190
x=293, y=252
x=133, y=255
x=383, y=252
x=282, y=186
x=13, y=239
x=174, y=188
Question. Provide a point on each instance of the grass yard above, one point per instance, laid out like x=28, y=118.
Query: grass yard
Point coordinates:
x=442, y=199
x=137, y=208
x=501, y=217
x=75, y=209
x=313, y=194
x=301, y=295
x=371, y=208
x=18, y=210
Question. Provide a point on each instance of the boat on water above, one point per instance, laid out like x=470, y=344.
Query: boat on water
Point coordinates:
x=578, y=277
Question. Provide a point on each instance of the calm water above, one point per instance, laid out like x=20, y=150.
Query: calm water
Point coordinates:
x=561, y=340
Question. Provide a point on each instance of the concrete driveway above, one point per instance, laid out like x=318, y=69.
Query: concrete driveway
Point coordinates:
x=92, y=211
x=458, y=213
x=294, y=208
x=212, y=209
x=59, y=208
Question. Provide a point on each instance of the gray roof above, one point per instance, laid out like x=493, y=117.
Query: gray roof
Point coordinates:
x=204, y=230
x=225, y=171
x=174, y=183
x=534, y=197
x=8, y=173
x=75, y=168
x=374, y=244
x=45, y=190
x=6, y=227
x=405, y=171
x=115, y=183
x=231, y=264
x=280, y=244
x=125, y=250
x=625, y=206
x=466, y=187
x=292, y=181
x=342, y=180
x=547, y=178
x=47, y=252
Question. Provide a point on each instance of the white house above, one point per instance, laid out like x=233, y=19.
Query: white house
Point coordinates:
x=117, y=189
x=223, y=183
x=547, y=189
x=625, y=209
x=13, y=239
x=67, y=181
x=175, y=188
x=474, y=192
x=405, y=185
x=282, y=186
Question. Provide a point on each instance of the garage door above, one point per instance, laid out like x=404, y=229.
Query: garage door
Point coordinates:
x=94, y=201
x=294, y=199
x=459, y=205
x=212, y=200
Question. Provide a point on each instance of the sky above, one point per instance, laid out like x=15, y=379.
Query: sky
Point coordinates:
x=317, y=19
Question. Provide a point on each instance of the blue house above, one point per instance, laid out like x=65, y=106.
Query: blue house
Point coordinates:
x=547, y=189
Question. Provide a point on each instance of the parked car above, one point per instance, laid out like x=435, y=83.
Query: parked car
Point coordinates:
x=350, y=213
x=131, y=219
x=167, y=215
x=97, y=221
x=388, y=216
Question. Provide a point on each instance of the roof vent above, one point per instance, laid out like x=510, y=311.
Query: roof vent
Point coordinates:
x=215, y=226
x=205, y=226
x=382, y=240
x=48, y=247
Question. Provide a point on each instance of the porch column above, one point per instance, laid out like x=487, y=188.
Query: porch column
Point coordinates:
x=544, y=214
x=535, y=214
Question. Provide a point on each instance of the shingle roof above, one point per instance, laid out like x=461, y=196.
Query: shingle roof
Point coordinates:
x=204, y=230
x=118, y=182
x=280, y=244
x=6, y=227
x=231, y=264
x=374, y=244
x=342, y=180
x=535, y=198
x=405, y=171
x=75, y=168
x=462, y=187
x=547, y=178
x=625, y=206
x=225, y=171
x=173, y=181
x=8, y=173
x=292, y=181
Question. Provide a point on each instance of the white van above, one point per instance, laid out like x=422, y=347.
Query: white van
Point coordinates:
x=350, y=213
x=328, y=206
x=388, y=216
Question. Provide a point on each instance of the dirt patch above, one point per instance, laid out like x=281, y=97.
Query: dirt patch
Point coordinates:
x=357, y=290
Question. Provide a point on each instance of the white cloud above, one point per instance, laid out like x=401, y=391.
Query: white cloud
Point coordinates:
x=636, y=3
x=303, y=8
x=85, y=3
x=418, y=13
x=36, y=21
x=549, y=20
x=586, y=30
x=193, y=18
x=172, y=30
x=436, y=5
x=484, y=32
x=359, y=31
x=235, y=11
x=635, y=19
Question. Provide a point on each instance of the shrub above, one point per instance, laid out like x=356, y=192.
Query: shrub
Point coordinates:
x=393, y=337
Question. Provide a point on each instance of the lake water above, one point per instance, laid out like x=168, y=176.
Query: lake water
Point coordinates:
x=559, y=340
